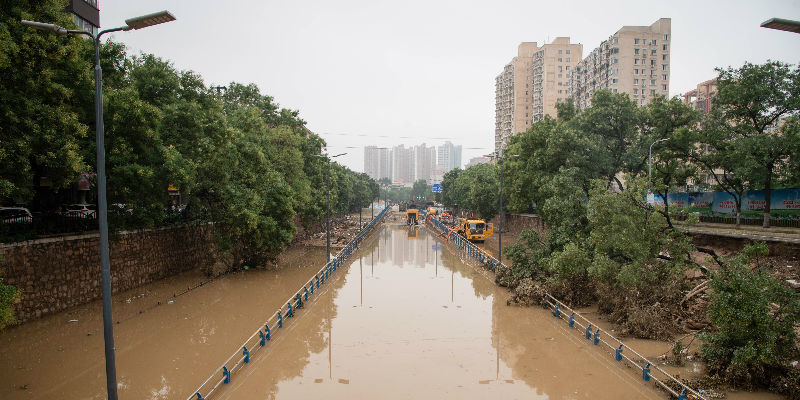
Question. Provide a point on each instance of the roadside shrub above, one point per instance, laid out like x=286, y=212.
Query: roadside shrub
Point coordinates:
x=527, y=256
x=9, y=295
x=753, y=317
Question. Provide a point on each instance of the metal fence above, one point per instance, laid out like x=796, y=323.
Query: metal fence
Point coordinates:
x=273, y=325
x=650, y=370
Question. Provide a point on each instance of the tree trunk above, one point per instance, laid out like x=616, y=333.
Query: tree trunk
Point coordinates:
x=666, y=209
x=767, y=195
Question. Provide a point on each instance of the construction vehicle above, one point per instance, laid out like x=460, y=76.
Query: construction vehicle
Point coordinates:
x=412, y=215
x=475, y=230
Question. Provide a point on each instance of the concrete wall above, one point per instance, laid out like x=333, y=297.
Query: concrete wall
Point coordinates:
x=57, y=273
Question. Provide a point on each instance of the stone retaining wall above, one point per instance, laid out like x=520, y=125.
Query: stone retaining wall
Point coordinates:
x=57, y=273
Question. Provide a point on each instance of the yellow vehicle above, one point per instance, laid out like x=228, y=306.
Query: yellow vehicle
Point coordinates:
x=475, y=230
x=412, y=216
x=431, y=211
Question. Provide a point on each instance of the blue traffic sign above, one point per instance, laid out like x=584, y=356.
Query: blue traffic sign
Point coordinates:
x=437, y=188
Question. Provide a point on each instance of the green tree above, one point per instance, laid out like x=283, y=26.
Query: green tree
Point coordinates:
x=41, y=76
x=753, y=101
x=754, y=318
x=670, y=120
x=448, y=187
x=477, y=189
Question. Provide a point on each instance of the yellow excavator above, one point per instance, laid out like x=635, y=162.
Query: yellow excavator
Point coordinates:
x=412, y=215
x=475, y=230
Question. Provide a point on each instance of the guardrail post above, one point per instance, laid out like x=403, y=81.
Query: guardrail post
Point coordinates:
x=200, y=396
x=555, y=311
x=572, y=320
x=280, y=319
x=682, y=396
x=289, y=314
x=597, y=337
x=246, y=354
x=305, y=293
x=317, y=279
x=589, y=331
x=262, y=338
x=646, y=373
x=267, y=331
x=226, y=375
x=299, y=303
x=618, y=356
x=311, y=284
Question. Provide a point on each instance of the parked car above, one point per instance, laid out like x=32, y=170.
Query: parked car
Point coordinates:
x=80, y=211
x=15, y=215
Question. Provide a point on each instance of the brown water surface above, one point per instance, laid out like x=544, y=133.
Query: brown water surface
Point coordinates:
x=404, y=318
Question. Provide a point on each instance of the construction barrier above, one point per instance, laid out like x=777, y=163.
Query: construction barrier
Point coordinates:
x=650, y=371
x=261, y=337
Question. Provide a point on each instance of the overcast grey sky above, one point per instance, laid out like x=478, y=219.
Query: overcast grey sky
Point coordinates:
x=385, y=73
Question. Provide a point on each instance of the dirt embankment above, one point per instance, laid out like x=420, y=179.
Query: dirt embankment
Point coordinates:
x=343, y=229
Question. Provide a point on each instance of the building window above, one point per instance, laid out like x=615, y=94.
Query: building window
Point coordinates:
x=559, y=91
x=559, y=51
x=653, y=52
x=567, y=67
x=652, y=92
x=635, y=41
x=559, y=60
x=635, y=81
x=559, y=75
x=635, y=61
x=652, y=62
x=636, y=71
x=567, y=59
x=664, y=47
x=666, y=36
x=613, y=80
x=636, y=51
x=664, y=57
x=663, y=67
x=664, y=87
x=635, y=91
x=567, y=51
x=652, y=81
x=653, y=42
x=664, y=77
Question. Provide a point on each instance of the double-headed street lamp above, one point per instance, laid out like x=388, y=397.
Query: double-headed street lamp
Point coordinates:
x=328, y=223
x=499, y=155
x=102, y=205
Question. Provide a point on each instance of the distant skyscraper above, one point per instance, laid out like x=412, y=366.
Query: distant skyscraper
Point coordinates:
x=403, y=164
x=377, y=162
x=476, y=161
x=449, y=156
x=426, y=162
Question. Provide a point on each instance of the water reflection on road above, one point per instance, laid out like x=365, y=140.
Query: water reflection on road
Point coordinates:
x=408, y=319
x=405, y=319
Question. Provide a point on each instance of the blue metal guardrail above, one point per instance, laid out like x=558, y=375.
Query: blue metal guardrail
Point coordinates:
x=282, y=316
x=648, y=368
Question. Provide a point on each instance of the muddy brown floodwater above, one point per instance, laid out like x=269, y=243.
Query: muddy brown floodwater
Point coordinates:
x=405, y=318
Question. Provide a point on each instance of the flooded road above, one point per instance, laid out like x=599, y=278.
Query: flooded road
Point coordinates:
x=407, y=319
x=404, y=318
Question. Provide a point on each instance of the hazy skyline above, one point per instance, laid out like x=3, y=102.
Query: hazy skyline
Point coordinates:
x=379, y=73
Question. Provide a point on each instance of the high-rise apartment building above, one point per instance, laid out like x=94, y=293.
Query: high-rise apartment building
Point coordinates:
x=531, y=84
x=700, y=97
x=377, y=162
x=425, y=162
x=449, y=156
x=403, y=164
x=634, y=60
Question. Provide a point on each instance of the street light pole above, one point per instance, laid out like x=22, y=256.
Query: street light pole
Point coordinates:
x=650, y=159
x=328, y=220
x=102, y=203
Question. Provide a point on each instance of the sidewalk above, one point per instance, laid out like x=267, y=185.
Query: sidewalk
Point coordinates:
x=754, y=232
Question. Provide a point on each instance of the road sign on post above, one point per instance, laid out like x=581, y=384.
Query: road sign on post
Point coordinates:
x=437, y=188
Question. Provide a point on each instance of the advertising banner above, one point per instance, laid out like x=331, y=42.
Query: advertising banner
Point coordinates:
x=784, y=203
